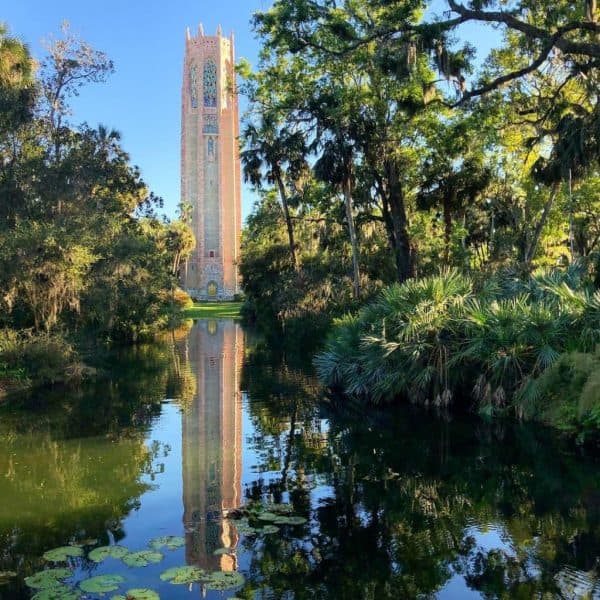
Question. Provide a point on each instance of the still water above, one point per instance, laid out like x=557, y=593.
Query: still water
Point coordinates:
x=403, y=504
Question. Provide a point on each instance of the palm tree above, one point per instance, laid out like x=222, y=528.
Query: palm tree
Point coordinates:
x=16, y=64
x=335, y=166
x=274, y=153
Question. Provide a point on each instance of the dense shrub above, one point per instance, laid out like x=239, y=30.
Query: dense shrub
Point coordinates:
x=501, y=345
x=567, y=394
x=36, y=359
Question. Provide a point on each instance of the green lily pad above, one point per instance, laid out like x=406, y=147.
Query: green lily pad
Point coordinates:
x=47, y=579
x=247, y=530
x=61, y=592
x=224, y=580
x=268, y=529
x=182, y=575
x=296, y=520
x=101, y=584
x=104, y=552
x=142, y=594
x=142, y=558
x=243, y=527
x=223, y=551
x=267, y=516
x=172, y=542
x=61, y=554
x=281, y=509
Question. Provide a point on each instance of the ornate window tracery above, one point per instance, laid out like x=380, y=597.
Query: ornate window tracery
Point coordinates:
x=210, y=83
x=194, y=85
x=211, y=125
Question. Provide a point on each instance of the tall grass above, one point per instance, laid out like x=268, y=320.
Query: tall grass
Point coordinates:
x=28, y=359
x=444, y=337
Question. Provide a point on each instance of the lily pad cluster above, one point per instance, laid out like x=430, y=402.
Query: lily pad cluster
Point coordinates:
x=60, y=592
x=104, y=552
x=142, y=558
x=171, y=542
x=48, y=578
x=101, y=584
x=216, y=580
x=50, y=583
x=265, y=519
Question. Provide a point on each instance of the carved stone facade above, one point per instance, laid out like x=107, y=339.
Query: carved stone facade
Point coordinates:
x=210, y=165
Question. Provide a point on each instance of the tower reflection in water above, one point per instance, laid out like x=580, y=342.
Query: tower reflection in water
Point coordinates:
x=212, y=443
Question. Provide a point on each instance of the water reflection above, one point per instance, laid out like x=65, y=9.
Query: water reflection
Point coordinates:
x=212, y=443
x=399, y=503
x=407, y=504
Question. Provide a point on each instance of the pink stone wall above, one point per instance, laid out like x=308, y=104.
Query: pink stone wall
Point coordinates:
x=210, y=166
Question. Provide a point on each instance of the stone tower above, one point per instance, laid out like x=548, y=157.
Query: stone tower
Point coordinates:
x=210, y=165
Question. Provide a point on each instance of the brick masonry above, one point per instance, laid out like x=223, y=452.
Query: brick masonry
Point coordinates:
x=210, y=165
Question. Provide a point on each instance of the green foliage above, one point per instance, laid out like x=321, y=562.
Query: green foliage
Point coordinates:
x=401, y=343
x=567, y=395
x=38, y=359
x=306, y=300
x=506, y=345
x=81, y=247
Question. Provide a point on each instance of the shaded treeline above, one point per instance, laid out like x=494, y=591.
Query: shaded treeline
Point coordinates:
x=83, y=252
x=386, y=150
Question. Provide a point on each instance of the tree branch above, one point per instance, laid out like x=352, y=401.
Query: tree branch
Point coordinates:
x=504, y=79
x=531, y=31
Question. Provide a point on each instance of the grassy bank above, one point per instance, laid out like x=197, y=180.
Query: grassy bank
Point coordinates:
x=214, y=310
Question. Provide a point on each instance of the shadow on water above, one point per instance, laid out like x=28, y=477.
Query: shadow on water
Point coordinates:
x=399, y=503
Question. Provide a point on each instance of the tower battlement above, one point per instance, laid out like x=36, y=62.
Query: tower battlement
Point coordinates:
x=201, y=35
x=210, y=164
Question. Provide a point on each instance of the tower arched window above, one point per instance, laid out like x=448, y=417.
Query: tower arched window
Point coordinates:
x=210, y=83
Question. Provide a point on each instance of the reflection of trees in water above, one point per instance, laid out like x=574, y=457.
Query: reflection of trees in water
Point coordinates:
x=411, y=501
x=72, y=464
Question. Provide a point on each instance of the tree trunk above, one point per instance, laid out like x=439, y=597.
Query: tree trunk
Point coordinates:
x=352, y=231
x=288, y=220
x=531, y=249
x=402, y=250
x=447, y=226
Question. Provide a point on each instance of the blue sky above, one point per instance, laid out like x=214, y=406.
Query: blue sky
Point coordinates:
x=145, y=39
x=146, y=42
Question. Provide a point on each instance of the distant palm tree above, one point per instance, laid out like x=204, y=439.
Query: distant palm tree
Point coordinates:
x=335, y=166
x=16, y=64
x=274, y=153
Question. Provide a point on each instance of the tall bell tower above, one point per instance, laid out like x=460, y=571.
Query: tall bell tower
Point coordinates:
x=210, y=165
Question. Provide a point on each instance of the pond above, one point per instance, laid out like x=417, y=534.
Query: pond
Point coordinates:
x=155, y=459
